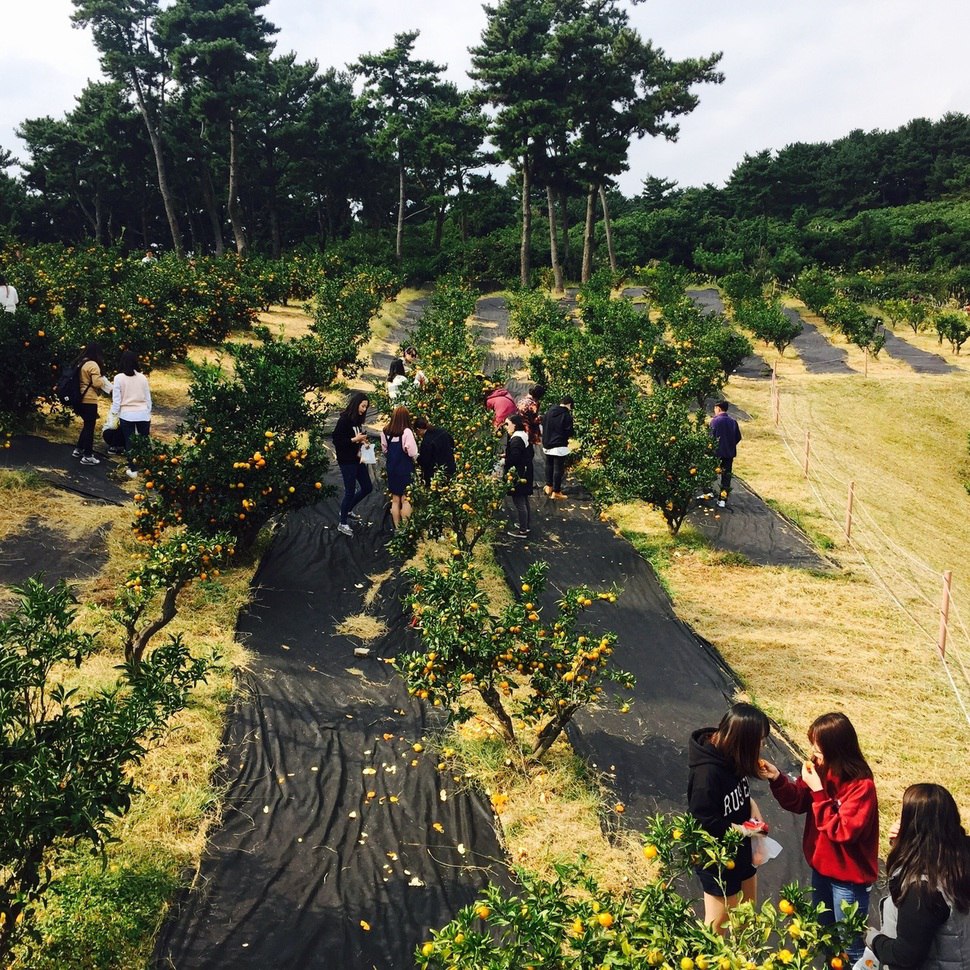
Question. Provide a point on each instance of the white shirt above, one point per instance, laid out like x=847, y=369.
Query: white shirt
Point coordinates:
x=9, y=298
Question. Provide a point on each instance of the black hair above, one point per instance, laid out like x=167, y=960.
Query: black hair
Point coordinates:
x=128, y=363
x=537, y=391
x=421, y=423
x=835, y=737
x=353, y=405
x=92, y=351
x=739, y=736
x=518, y=422
x=396, y=369
x=566, y=399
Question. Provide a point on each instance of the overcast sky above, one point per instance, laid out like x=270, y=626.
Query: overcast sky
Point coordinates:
x=808, y=71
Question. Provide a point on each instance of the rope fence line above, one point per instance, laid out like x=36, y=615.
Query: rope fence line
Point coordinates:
x=918, y=590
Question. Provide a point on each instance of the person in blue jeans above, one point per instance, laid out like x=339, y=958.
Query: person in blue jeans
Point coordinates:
x=348, y=436
x=837, y=796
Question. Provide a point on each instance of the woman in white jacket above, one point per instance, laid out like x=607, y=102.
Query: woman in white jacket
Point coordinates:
x=131, y=400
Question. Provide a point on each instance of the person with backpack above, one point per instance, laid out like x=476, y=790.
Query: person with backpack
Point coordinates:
x=91, y=379
x=131, y=400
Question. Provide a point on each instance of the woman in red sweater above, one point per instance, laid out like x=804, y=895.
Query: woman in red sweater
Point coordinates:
x=837, y=795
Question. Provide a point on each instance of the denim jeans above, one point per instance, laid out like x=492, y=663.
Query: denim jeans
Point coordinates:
x=833, y=893
x=128, y=431
x=357, y=486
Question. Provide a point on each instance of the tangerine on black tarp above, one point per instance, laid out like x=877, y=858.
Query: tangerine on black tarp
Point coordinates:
x=302, y=855
x=682, y=683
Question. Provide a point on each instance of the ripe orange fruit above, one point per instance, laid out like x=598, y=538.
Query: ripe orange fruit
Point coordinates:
x=650, y=851
x=784, y=906
x=605, y=920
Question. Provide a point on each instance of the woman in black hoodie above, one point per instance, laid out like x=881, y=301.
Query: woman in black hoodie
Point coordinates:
x=721, y=761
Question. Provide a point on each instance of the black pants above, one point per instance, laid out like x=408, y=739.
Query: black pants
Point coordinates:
x=85, y=440
x=523, y=510
x=727, y=466
x=555, y=469
x=129, y=429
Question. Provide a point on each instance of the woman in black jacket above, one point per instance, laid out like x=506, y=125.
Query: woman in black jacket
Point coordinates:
x=348, y=436
x=557, y=429
x=926, y=917
x=721, y=761
x=518, y=460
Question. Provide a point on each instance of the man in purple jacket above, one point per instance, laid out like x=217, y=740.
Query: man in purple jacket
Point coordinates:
x=726, y=434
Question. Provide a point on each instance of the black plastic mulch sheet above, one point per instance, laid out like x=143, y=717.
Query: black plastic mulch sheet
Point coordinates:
x=39, y=549
x=682, y=683
x=55, y=463
x=319, y=742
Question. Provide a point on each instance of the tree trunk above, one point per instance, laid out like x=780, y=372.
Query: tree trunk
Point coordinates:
x=439, y=228
x=491, y=697
x=608, y=228
x=209, y=200
x=276, y=239
x=588, y=234
x=168, y=199
x=552, y=730
x=564, y=210
x=525, y=260
x=554, y=242
x=462, y=214
x=399, y=244
x=232, y=203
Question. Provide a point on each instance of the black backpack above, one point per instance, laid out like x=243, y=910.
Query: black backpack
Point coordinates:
x=68, y=388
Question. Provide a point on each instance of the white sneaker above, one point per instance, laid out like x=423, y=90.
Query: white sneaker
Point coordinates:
x=721, y=504
x=131, y=473
x=90, y=460
x=77, y=453
x=345, y=529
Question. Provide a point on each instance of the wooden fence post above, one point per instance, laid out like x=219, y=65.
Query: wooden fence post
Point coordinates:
x=848, y=511
x=944, y=613
x=808, y=451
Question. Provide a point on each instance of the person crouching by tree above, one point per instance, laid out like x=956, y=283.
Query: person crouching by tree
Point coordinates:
x=501, y=403
x=436, y=449
x=557, y=429
x=519, y=454
x=721, y=761
x=348, y=436
x=131, y=400
x=726, y=433
x=401, y=449
x=529, y=405
x=92, y=380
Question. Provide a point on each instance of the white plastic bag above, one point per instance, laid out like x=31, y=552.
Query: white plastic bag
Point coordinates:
x=112, y=421
x=763, y=849
x=368, y=456
x=868, y=961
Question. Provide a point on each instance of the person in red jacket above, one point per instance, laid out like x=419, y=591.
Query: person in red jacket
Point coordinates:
x=837, y=796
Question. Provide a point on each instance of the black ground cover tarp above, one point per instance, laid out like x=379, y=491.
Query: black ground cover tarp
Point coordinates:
x=921, y=361
x=55, y=464
x=303, y=854
x=682, y=683
x=38, y=549
x=816, y=353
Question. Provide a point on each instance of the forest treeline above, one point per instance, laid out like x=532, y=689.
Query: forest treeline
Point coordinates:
x=202, y=138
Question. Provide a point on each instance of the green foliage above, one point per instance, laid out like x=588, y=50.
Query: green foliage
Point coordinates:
x=251, y=446
x=767, y=320
x=27, y=371
x=166, y=569
x=66, y=759
x=342, y=312
x=662, y=454
x=815, y=288
x=572, y=923
x=530, y=309
x=856, y=324
x=953, y=326
x=545, y=669
x=740, y=287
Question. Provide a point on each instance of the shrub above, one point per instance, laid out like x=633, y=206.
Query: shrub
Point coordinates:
x=815, y=288
x=27, y=352
x=251, y=446
x=529, y=310
x=66, y=762
x=555, y=666
x=768, y=322
x=954, y=326
x=571, y=923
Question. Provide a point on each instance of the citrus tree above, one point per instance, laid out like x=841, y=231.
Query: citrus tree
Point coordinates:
x=954, y=327
x=570, y=922
x=65, y=768
x=539, y=669
x=252, y=445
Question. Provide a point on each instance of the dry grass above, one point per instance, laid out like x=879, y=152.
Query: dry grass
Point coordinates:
x=804, y=643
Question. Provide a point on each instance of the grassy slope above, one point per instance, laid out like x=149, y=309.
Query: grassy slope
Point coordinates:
x=803, y=643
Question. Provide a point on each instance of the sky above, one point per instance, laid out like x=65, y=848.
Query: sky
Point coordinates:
x=794, y=72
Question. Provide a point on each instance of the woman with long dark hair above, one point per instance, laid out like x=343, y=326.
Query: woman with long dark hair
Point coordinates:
x=92, y=380
x=348, y=436
x=837, y=796
x=721, y=760
x=519, y=455
x=131, y=400
x=401, y=448
x=926, y=917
